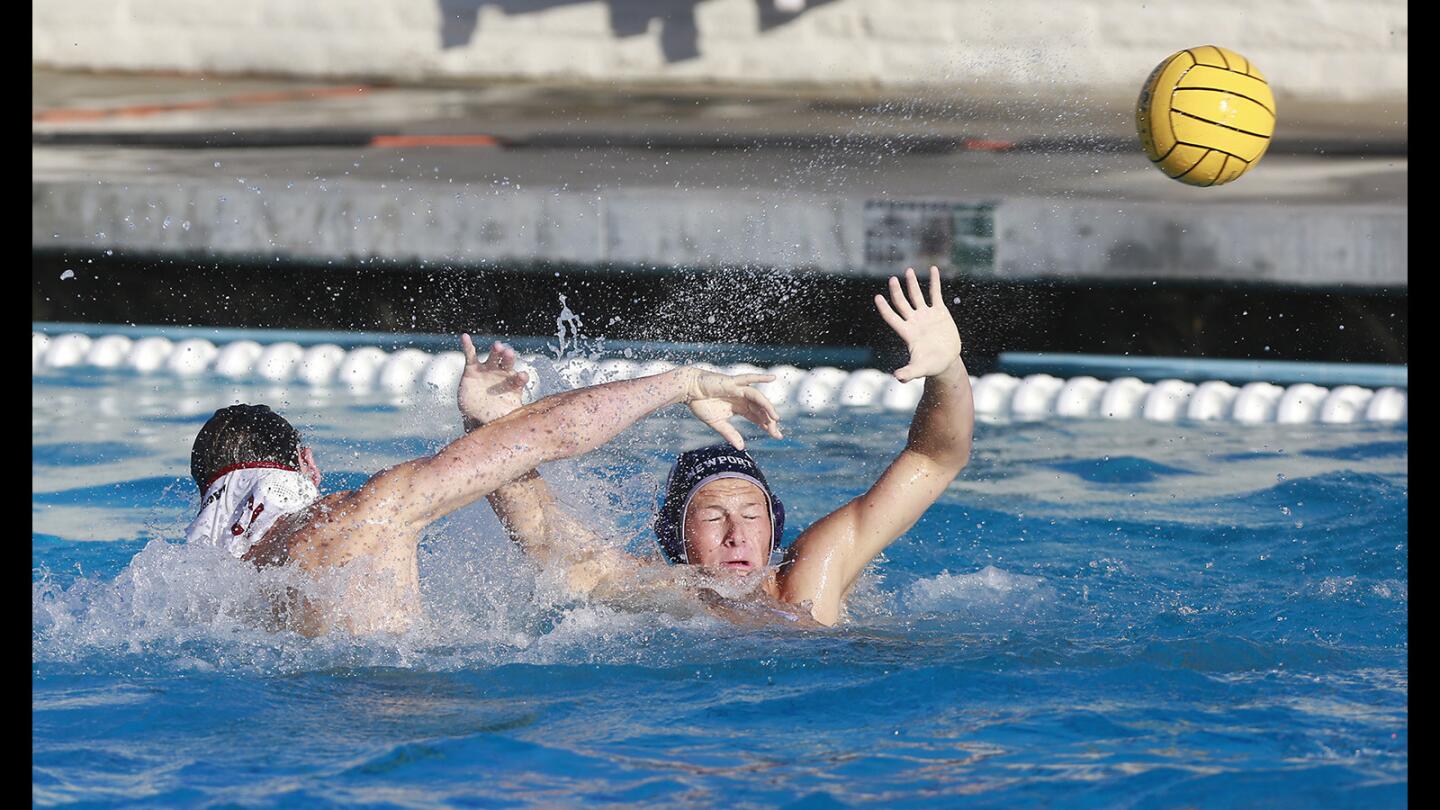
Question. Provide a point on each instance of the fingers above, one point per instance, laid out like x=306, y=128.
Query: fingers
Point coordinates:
x=898, y=296
x=935, y=299
x=751, y=379
x=759, y=400
x=515, y=381
x=504, y=356
x=905, y=373
x=895, y=321
x=765, y=422
x=501, y=358
x=912, y=284
x=728, y=432
x=468, y=347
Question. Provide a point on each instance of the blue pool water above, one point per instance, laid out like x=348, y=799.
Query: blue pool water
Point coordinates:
x=1096, y=614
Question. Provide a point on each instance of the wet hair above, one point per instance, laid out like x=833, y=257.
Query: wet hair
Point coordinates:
x=242, y=435
x=693, y=470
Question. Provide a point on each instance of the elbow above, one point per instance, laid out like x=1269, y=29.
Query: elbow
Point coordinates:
x=949, y=451
x=954, y=455
x=957, y=461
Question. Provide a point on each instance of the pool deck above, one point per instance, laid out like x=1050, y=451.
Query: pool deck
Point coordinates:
x=520, y=175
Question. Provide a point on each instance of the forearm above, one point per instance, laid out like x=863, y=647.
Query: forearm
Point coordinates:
x=559, y=426
x=945, y=418
x=521, y=507
x=571, y=423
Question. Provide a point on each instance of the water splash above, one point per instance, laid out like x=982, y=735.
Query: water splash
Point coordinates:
x=567, y=330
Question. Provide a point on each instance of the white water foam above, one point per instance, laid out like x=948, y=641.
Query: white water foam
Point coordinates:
x=989, y=592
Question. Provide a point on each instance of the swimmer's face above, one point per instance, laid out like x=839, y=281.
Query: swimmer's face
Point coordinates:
x=727, y=527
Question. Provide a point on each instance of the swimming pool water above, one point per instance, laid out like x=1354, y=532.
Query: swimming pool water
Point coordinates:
x=1096, y=614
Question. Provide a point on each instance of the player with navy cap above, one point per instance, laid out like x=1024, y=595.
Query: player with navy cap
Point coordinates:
x=718, y=513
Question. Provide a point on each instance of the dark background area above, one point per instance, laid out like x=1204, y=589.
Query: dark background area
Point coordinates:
x=762, y=306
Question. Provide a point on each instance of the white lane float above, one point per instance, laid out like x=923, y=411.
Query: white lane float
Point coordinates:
x=67, y=350
x=992, y=393
x=615, y=369
x=1212, y=400
x=1079, y=398
x=901, y=396
x=109, y=351
x=1122, y=398
x=358, y=370
x=1300, y=404
x=651, y=367
x=1388, y=405
x=819, y=390
x=780, y=391
x=38, y=344
x=825, y=388
x=1257, y=402
x=319, y=365
x=236, y=361
x=191, y=358
x=862, y=388
x=1345, y=404
x=278, y=361
x=1167, y=401
x=148, y=354
x=1034, y=397
x=400, y=370
x=442, y=373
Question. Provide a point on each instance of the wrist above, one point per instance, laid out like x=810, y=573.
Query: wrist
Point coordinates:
x=682, y=384
x=953, y=372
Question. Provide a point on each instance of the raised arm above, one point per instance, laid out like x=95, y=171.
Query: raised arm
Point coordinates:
x=489, y=391
x=827, y=558
x=559, y=426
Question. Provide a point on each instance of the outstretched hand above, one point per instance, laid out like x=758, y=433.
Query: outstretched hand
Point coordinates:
x=715, y=398
x=491, y=389
x=928, y=328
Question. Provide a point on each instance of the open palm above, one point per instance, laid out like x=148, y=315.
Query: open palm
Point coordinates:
x=927, y=327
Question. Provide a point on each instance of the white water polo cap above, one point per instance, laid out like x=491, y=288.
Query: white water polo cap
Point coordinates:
x=245, y=501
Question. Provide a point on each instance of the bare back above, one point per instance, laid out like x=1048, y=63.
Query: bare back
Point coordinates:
x=365, y=567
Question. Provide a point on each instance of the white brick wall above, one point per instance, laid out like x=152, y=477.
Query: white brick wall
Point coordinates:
x=1318, y=50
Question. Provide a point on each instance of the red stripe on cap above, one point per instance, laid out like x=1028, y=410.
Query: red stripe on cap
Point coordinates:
x=249, y=465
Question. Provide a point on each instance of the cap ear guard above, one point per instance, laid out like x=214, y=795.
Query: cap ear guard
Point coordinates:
x=667, y=532
x=777, y=525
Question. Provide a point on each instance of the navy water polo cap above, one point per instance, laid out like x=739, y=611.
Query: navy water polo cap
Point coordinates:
x=693, y=470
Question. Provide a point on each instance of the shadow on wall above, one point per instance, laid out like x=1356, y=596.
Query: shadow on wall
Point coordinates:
x=679, y=37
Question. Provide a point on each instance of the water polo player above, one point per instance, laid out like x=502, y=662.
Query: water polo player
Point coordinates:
x=260, y=499
x=719, y=515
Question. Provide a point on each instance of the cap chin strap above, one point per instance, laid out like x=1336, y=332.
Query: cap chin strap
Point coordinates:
x=685, y=510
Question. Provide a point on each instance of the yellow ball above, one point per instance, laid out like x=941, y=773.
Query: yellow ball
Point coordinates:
x=1205, y=116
